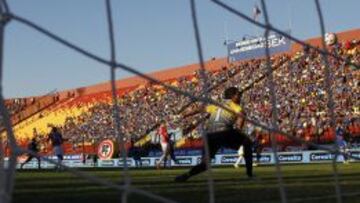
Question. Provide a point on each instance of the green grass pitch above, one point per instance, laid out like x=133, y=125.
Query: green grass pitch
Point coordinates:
x=303, y=183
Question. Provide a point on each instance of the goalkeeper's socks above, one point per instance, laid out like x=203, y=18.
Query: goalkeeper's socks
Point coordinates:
x=182, y=178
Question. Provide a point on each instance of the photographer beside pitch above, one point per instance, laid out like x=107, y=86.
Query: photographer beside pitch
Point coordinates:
x=223, y=129
x=32, y=146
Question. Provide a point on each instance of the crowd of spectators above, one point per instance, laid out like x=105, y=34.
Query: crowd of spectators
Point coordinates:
x=16, y=105
x=302, y=94
x=300, y=89
x=140, y=110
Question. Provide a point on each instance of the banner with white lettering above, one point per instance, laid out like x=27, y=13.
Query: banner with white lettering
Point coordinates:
x=255, y=47
x=266, y=158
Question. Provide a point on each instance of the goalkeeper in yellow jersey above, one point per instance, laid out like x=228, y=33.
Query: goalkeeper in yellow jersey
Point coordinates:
x=223, y=129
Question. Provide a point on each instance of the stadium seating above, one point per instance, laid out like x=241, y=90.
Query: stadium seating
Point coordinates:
x=299, y=86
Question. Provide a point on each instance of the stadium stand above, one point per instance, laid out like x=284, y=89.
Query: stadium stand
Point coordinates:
x=85, y=114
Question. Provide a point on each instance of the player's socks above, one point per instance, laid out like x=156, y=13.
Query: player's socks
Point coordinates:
x=182, y=178
x=158, y=166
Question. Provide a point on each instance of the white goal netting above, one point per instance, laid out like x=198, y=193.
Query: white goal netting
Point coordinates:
x=8, y=172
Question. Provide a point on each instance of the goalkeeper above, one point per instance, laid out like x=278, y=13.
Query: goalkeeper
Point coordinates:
x=223, y=129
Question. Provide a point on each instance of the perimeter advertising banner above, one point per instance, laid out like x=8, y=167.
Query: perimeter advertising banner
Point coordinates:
x=267, y=158
x=255, y=47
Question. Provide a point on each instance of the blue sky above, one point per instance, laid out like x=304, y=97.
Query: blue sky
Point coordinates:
x=150, y=35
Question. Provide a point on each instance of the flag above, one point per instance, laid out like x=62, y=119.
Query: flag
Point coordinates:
x=256, y=12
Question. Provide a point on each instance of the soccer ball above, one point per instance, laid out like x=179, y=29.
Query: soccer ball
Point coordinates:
x=330, y=39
